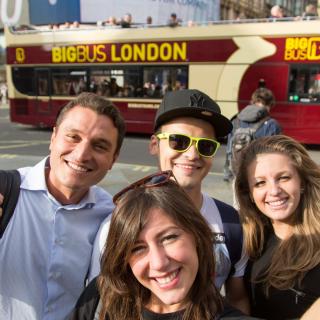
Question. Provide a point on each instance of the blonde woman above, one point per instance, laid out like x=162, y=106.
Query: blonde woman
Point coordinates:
x=278, y=190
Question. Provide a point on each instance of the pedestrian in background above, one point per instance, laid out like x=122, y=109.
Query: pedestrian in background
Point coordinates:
x=278, y=190
x=251, y=123
x=149, y=20
x=174, y=21
x=3, y=93
x=126, y=21
x=310, y=11
x=276, y=12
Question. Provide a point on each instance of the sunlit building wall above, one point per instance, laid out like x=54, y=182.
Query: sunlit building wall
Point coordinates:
x=248, y=9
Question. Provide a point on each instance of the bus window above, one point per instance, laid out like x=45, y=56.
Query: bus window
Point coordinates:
x=112, y=82
x=42, y=79
x=68, y=82
x=141, y=82
x=304, y=85
x=159, y=80
x=21, y=79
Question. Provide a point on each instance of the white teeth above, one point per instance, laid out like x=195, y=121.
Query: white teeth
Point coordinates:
x=167, y=279
x=277, y=203
x=76, y=167
x=184, y=166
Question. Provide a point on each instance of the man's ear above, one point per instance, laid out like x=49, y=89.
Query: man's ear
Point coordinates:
x=154, y=145
x=115, y=158
x=53, y=135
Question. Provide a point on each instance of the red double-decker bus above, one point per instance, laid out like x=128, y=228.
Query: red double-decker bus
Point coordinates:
x=134, y=67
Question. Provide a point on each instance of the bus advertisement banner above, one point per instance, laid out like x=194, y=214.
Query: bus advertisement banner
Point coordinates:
x=160, y=52
x=302, y=49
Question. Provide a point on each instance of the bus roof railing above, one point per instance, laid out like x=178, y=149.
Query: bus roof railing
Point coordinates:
x=100, y=25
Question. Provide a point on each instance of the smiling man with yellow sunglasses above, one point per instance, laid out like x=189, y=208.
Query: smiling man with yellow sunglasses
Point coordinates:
x=187, y=125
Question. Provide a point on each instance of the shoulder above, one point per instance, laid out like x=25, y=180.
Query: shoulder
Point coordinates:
x=227, y=212
x=33, y=178
x=310, y=283
x=231, y=313
x=270, y=127
x=219, y=212
x=87, y=303
x=103, y=232
x=102, y=198
x=273, y=122
x=100, y=193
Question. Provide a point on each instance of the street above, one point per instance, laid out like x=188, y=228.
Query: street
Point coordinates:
x=22, y=146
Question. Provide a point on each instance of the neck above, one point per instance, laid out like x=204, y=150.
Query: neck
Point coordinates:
x=196, y=197
x=64, y=196
x=282, y=230
x=157, y=306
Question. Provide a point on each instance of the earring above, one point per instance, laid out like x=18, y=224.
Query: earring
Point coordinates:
x=302, y=190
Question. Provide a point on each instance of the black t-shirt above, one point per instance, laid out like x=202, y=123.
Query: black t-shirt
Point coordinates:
x=281, y=304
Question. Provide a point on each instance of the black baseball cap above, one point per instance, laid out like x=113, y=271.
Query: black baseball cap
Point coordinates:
x=192, y=103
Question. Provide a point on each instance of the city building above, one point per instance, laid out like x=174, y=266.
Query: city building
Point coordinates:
x=248, y=9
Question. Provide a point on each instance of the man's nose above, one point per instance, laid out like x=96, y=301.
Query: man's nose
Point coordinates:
x=192, y=152
x=82, y=151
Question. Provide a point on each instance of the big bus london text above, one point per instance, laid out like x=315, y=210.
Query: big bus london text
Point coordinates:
x=135, y=67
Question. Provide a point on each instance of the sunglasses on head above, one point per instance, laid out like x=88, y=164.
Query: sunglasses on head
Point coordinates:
x=153, y=180
x=181, y=143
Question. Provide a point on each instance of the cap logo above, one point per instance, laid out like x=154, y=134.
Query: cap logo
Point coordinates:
x=196, y=100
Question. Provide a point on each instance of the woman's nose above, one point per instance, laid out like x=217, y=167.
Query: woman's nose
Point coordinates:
x=274, y=188
x=158, y=259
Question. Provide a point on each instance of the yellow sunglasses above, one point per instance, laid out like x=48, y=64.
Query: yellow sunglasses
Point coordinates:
x=181, y=143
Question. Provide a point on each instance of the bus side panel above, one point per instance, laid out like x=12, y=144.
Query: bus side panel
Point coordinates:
x=138, y=116
x=275, y=77
x=307, y=129
x=25, y=111
x=298, y=120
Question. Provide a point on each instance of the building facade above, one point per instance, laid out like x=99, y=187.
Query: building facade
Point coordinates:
x=248, y=9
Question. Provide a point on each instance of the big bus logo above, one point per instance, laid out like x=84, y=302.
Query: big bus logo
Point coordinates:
x=302, y=49
x=20, y=55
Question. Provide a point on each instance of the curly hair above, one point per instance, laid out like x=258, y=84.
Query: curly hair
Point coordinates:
x=299, y=253
x=122, y=296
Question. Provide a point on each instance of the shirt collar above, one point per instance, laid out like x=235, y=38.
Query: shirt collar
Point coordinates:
x=35, y=180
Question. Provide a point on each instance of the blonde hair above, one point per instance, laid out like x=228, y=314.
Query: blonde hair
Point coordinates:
x=300, y=253
x=122, y=296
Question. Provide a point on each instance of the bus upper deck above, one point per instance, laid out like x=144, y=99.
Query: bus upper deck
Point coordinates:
x=134, y=67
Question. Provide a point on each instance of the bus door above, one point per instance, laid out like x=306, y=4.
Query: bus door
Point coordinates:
x=43, y=91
